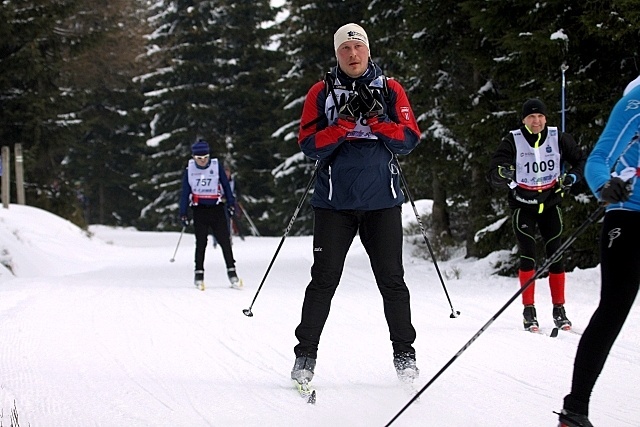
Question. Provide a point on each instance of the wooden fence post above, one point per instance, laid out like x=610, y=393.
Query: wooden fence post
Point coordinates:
x=6, y=177
x=19, y=174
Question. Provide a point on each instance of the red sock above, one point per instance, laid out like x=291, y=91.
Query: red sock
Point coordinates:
x=556, y=284
x=527, y=295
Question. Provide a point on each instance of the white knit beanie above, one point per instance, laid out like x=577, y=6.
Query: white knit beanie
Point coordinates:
x=350, y=32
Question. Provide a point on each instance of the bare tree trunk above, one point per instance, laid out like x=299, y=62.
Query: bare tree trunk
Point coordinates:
x=440, y=214
x=479, y=207
x=101, y=203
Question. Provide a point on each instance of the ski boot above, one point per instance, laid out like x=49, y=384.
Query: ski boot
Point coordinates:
x=571, y=419
x=560, y=318
x=530, y=321
x=302, y=371
x=198, y=279
x=236, y=283
x=405, y=364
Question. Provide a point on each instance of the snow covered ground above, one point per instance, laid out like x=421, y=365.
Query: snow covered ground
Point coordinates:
x=104, y=330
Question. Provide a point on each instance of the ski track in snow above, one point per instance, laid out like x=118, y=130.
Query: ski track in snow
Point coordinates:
x=105, y=331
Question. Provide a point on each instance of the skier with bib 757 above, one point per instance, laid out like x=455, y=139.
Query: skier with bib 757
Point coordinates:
x=202, y=184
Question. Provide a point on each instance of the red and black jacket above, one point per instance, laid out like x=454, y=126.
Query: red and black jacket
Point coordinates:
x=357, y=169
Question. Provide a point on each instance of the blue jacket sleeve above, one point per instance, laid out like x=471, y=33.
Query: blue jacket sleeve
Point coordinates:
x=621, y=128
x=184, y=195
x=224, y=181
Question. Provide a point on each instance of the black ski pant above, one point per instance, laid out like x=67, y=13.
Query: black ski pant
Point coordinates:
x=549, y=223
x=381, y=235
x=620, y=271
x=211, y=217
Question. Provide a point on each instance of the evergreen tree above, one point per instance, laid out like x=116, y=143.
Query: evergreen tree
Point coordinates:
x=53, y=85
x=519, y=58
x=212, y=80
x=104, y=162
x=35, y=111
x=220, y=70
x=418, y=55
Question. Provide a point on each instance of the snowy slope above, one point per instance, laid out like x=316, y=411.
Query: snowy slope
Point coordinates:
x=105, y=331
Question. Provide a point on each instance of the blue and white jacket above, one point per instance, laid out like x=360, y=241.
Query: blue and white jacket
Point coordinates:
x=617, y=152
x=204, y=186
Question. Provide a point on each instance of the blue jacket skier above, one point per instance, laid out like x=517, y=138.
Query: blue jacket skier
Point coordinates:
x=612, y=172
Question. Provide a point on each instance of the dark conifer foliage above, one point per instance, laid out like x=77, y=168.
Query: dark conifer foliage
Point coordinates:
x=107, y=98
x=61, y=72
x=212, y=79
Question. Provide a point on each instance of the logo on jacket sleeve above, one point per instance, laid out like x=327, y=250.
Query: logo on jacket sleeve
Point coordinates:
x=404, y=111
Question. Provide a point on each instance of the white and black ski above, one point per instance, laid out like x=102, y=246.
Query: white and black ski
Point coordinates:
x=536, y=330
x=571, y=331
x=411, y=388
x=306, y=391
x=236, y=282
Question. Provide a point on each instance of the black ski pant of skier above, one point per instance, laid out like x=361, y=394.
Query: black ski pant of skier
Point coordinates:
x=211, y=217
x=620, y=275
x=549, y=222
x=381, y=235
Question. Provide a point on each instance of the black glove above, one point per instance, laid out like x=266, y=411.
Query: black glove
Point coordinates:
x=615, y=191
x=567, y=181
x=507, y=172
x=185, y=220
x=371, y=102
x=232, y=210
x=349, y=109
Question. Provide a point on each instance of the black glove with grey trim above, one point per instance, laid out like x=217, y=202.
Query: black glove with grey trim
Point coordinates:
x=349, y=109
x=371, y=102
x=615, y=191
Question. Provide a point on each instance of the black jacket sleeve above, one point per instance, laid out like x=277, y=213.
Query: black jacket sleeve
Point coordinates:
x=503, y=156
x=572, y=154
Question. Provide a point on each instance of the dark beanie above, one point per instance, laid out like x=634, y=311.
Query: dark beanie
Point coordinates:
x=533, y=106
x=200, y=148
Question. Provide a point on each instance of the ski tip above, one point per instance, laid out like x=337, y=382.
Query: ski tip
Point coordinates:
x=554, y=332
x=306, y=391
x=312, y=398
x=237, y=285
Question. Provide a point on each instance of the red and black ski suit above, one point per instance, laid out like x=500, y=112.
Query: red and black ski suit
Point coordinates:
x=357, y=191
x=539, y=209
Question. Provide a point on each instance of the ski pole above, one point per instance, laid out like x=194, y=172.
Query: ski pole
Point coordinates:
x=176, y=251
x=454, y=313
x=254, y=230
x=564, y=67
x=557, y=254
x=247, y=311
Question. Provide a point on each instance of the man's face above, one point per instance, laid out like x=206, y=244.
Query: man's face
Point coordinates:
x=535, y=122
x=353, y=58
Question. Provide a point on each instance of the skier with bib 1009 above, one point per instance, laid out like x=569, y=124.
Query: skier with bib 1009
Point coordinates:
x=529, y=163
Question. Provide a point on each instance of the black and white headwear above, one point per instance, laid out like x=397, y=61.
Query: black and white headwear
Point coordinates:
x=350, y=32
